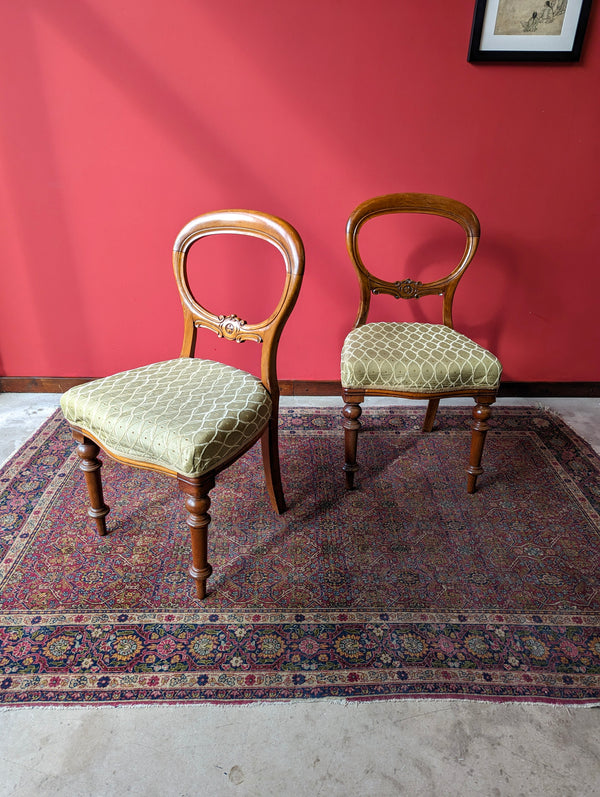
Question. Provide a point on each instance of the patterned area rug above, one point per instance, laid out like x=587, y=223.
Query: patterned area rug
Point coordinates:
x=406, y=587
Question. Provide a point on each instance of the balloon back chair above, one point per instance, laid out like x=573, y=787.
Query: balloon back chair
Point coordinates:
x=191, y=418
x=414, y=360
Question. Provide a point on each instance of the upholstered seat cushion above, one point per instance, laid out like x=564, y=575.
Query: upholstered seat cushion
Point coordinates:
x=186, y=415
x=415, y=357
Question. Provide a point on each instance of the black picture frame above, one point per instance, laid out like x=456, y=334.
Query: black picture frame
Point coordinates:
x=522, y=38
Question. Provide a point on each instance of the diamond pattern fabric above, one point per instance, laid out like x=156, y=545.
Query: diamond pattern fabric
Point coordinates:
x=415, y=357
x=186, y=415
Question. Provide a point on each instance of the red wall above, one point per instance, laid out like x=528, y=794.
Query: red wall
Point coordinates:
x=123, y=119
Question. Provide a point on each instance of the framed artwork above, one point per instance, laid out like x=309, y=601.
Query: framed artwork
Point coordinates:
x=528, y=30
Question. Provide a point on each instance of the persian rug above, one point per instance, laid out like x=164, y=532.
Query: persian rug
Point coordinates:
x=405, y=587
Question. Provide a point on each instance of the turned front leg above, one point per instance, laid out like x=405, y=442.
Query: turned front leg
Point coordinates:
x=90, y=465
x=197, y=503
x=481, y=413
x=351, y=413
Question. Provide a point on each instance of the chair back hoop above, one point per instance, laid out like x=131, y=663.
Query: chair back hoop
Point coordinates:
x=408, y=288
x=258, y=225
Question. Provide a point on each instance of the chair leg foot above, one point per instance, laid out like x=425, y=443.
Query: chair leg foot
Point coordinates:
x=351, y=424
x=197, y=503
x=90, y=465
x=481, y=414
x=270, y=454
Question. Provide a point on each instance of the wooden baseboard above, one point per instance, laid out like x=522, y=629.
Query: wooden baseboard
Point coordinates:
x=315, y=387
x=299, y=387
x=40, y=384
x=507, y=389
x=550, y=389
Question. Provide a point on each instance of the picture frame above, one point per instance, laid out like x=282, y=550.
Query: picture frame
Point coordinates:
x=528, y=30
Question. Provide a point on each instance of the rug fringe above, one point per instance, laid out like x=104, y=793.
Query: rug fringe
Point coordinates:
x=323, y=702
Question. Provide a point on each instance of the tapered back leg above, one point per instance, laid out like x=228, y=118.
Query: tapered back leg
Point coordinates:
x=270, y=454
x=432, y=408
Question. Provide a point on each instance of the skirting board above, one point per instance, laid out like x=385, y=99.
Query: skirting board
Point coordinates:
x=299, y=387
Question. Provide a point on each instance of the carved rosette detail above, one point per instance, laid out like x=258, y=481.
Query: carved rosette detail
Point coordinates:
x=404, y=289
x=232, y=328
x=408, y=289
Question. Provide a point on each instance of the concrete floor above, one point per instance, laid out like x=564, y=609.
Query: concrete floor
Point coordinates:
x=317, y=748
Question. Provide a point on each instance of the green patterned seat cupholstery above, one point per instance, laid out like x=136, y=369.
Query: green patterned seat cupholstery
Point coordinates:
x=427, y=358
x=186, y=415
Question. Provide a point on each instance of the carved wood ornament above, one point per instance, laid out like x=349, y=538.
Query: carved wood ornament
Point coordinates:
x=230, y=327
x=402, y=289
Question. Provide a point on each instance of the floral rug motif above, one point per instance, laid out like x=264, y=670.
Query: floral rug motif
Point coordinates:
x=404, y=587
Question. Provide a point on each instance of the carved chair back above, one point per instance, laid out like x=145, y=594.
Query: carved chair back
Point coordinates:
x=259, y=225
x=408, y=288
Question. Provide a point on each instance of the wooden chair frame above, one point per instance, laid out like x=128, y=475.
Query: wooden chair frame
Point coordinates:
x=410, y=289
x=268, y=332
